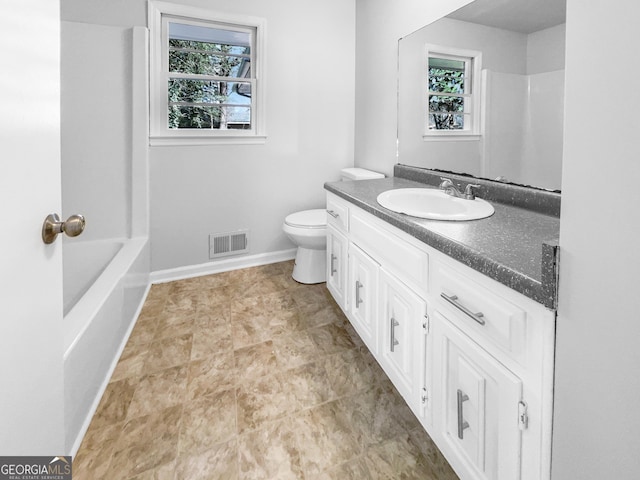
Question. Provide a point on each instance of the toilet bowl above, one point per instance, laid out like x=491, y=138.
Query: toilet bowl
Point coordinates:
x=308, y=230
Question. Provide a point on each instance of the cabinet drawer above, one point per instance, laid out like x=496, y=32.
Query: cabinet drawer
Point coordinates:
x=394, y=254
x=490, y=319
x=337, y=212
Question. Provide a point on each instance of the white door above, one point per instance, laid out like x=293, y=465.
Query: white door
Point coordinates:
x=31, y=388
x=400, y=324
x=479, y=409
x=362, y=290
x=337, y=266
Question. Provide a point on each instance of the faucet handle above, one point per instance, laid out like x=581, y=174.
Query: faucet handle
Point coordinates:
x=468, y=191
x=446, y=182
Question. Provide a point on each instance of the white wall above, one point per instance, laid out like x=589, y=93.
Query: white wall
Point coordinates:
x=597, y=419
x=523, y=121
x=96, y=127
x=196, y=191
x=506, y=104
x=546, y=50
x=542, y=149
x=541, y=157
x=123, y=13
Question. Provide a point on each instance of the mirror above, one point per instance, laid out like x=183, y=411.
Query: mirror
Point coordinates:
x=520, y=92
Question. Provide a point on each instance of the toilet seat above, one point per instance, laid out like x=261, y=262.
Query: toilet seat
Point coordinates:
x=308, y=219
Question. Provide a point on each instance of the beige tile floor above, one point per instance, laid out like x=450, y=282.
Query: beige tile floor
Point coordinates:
x=250, y=375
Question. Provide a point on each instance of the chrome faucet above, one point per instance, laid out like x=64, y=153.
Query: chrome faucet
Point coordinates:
x=450, y=188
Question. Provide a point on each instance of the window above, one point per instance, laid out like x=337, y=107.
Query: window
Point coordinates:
x=453, y=93
x=206, y=85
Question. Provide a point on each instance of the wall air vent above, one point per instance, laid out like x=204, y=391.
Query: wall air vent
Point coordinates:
x=230, y=243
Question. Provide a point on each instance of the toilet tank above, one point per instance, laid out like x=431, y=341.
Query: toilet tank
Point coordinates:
x=358, y=174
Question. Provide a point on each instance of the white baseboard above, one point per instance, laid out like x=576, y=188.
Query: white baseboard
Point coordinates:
x=228, y=264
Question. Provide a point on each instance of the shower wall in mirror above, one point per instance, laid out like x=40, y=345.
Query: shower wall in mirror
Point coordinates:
x=521, y=93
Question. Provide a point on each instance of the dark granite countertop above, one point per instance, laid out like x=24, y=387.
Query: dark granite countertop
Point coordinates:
x=515, y=246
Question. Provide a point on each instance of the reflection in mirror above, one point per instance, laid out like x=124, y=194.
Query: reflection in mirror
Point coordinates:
x=520, y=90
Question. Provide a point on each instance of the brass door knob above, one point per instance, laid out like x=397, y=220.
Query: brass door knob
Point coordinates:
x=52, y=226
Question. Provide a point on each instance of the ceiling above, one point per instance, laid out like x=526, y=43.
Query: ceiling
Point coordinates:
x=524, y=16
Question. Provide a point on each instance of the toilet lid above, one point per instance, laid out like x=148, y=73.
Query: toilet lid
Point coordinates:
x=308, y=219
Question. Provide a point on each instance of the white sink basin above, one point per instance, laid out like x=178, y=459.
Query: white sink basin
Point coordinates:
x=434, y=204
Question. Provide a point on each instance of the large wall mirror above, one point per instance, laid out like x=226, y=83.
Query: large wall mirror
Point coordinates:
x=516, y=105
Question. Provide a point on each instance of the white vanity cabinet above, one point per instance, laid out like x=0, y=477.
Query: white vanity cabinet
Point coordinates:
x=493, y=374
x=384, y=296
x=472, y=358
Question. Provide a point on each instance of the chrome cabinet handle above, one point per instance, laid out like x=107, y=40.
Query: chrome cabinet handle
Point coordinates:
x=462, y=424
x=453, y=300
x=52, y=227
x=358, y=287
x=333, y=214
x=392, y=336
x=333, y=260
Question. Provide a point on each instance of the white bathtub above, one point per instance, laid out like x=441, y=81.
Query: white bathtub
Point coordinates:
x=83, y=262
x=105, y=283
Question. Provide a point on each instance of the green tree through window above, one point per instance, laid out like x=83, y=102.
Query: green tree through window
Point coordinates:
x=209, y=84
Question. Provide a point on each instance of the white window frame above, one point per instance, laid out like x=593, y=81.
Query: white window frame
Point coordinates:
x=159, y=131
x=473, y=59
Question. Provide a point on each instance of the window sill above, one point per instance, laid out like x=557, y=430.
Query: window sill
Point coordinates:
x=186, y=140
x=451, y=138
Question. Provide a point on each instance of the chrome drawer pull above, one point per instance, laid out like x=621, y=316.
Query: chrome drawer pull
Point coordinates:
x=462, y=424
x=392, y=336
x=358, y=287
x=333, y=214
x=333, y=260
x=453, y=300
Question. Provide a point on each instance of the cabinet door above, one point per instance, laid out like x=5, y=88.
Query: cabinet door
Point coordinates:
x=480, y=400
x=362, y=293
x=400, y=325
x=337, y=266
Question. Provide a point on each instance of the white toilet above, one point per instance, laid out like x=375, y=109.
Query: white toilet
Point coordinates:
x=308, y=230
